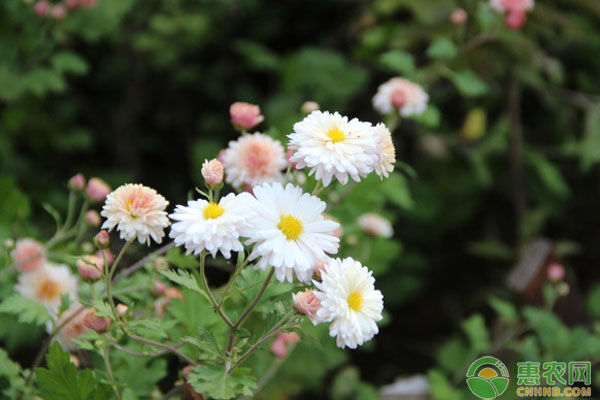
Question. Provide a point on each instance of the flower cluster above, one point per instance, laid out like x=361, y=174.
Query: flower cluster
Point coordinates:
x=45, y=8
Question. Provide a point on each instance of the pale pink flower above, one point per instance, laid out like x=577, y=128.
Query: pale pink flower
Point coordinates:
x=309, y=106
x=58, y=11
x=95, y=322
x=136, y=211
x=77, y=182
x=72, y=329
x=400, y=94
x=515, y=19
x=375, y=225
x=97, y=190
x=307, y=303
x=91, y=268
x=254, y=159
x=73, y=4
x=555, y=272
x=459, y=16
x=212, y=172
x=281, y=343
x=42, y=8
x=512, y=5
x=245, y=116
x=92, y=218
x=28, y=255
x=47, y=284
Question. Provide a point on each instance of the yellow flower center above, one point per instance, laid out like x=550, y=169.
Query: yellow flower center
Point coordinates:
x=355, y=301
x=336, y=135
x=48, y=289
x=213, y=210
x=290, y=226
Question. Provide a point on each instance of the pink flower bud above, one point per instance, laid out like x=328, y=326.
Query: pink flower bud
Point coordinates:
x=307, y=303
x=88, y=3
x=245, y=116
x=159, y=307
x=109, y=255
x=101, y=240
x=95, y=322
x=28, y=255
x=320, y=266
x=92, y=218
x=555, y=272
x=97, y=190
x=58, y=11
x=459, y=16
x=289, y=154
x=212, y=172
x=77, y=182
x=309, y=106
x=160, y=264
x=121, y=309
x=173, y=293
x=281, y=343
x=516, y=19
x=398, y=99
x=92, y=271
x=159, y=288
x=73, y=4
x=42, y=8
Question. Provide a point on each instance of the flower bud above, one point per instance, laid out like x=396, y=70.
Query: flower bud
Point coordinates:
x=121, y=309
x=212, y=172
x=173, y=293
x=516, y=19
x=159, y=307
x=279, y=346
x=42, y=8
x=58, y=11
x=289, y=154
x=562, y=289
x=88, y=3
x=28, y=255
x=309, y=106
x=92, y=218
x=95, y=322
x=75, y=360
x=459, y=16
x=161, y=264
x=109, y=255
x=90, y=272
x=398, y=99
x=77, y=182
x=245, y=116
x=159, y=288
x=97, y=190
x=320, y=266
x=101, y=240
x=375, y=225
x=307, y=303
x=73, y=4
x=555, y=272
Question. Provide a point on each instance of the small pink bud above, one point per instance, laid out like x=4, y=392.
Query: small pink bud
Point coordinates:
x=77, y=182
x=73, y=4
x=97, y=190
x=307, y=303
x=245, y=116
x=309, y=106
x=28, y=255
x=159, y=307
x=459, y=16
x=109, y=255
x=173, y=293
x=320, y=266
x=289, y=154
x=159, y=288
x=90, y=272
x=516, y=19
x=160, y=264
x=92, y=218
x=95, y=322
x=42, y=8
x=555, y=272
x=212, y=172
x=101, y=240
x=121, y=309
x=280, y=344
x=58, y=11
x=398, y=99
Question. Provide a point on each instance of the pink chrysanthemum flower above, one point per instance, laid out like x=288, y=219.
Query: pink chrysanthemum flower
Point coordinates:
x=47, y=284
x=73, y=329
x=245, y=116
x=400, y=94
x=97, y=190
x=28, y=255
x=253, y=160
x=136, y=210
x=519, y=6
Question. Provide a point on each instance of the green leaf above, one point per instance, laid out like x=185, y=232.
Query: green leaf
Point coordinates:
x=548, y=173
x=68, y=62
x=216, y=383
x=206, y=342
x=590, y=145
x=395, y=189
x=53, y=212
x=468, y=83
x=430, y=118
x=593, y=302
x=26, y=310
x=257, y=55
x=183, y=278
x=398, y=61
x=442, y=48
x=441, y=388
x=504, y=309
x=176, y=257
x=477, y=333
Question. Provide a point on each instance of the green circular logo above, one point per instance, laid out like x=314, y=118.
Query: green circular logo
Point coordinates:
x=487, y=377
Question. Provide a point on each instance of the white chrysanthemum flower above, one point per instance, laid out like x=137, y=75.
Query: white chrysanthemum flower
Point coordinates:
x=401, y=94
x=349, y=301
x=289, y=231
x=375, y=225
x=136, y=210
x=211, y=226
x=386, y=157
x=253, y=160
x=47, y=284
x=512, y=5
x=330, y=145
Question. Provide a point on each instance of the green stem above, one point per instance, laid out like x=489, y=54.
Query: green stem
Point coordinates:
x=317, y=188
x=209, y=293
x=233, y=277
x=109, y=372
x=70, y=210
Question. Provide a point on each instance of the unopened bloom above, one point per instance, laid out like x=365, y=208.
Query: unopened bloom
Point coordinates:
x=77, y=182
x=92, y=218
x=280, y=344
x=212, y=172
x=332, y=146
x=97, y=190
x=159, y=288
x=47, y=284
x=254, y=159
x=216, y=227
x=28, y=254
x=58, y=11
x=309, y=106
x=459, y=16
x=173, y=293
x=375, y=225
x=245, y=116
x=555, y=272
x=136, y=210
x=42, y=8
x=90, y=268
x=102, y=240
x=72, y=329
x=289, y=231
x=516, y=19
x=400, y=94
x=95, y=322
x=307, y=303
x=386, y=155
x=349, y=301
x=512, y=5
x=121, y=309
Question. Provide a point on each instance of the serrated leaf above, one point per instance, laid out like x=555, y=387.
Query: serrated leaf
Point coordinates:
x=505, y=310
x=216, y=383
x=26, y=310
x=177, y=258
x=184, y=279
x=207, y=343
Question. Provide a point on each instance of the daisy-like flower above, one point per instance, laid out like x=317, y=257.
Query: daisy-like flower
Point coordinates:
x=253, y=160
x=512, y=5
x=330, y=145
x=136, y=210
x=401, y=94
x=349, y=301
x=211, y=226
x=47, y=284
x=28, y=254
x=72, y=329
x=387, y=153
x=289, y=231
